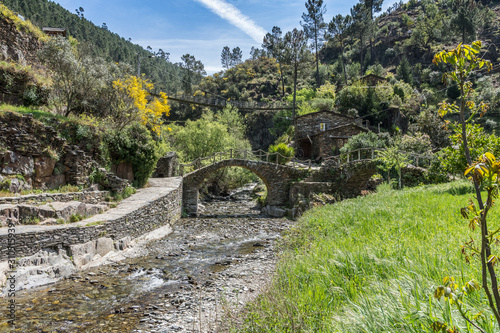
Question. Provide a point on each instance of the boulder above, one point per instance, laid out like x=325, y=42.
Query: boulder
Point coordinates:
x=53, y=182
x=104, y=245
x=64, y=210
x=124, y=171
x=28, y=213
x=91, y=210
x=14, y=164
x=82, y=253
x=8, y=213
x=17, y=185
x=44, y=166
x=123, y=243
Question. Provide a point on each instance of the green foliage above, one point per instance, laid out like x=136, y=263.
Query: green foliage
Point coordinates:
x=76, y=217
x=417, y=143
x=367, y=265
x=281, y=152
x=135, y=145
x=367, y=140
x=453, y=157
x=404, y=71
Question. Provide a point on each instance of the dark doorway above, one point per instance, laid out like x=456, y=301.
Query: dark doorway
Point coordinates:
x=305, y=149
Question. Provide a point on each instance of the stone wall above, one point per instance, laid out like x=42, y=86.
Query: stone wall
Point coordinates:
x=167, y=166
x=32, y=155
x=17, y=46
x=90, y=197
x=327, y=142
x=147, y=210
x=309, y=124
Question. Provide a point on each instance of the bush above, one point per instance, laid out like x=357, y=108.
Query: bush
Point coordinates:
x=134, y=145
x=367, y=140
x=284, y=153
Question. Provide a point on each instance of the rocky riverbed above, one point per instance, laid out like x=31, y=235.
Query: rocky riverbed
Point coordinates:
x=189, y=281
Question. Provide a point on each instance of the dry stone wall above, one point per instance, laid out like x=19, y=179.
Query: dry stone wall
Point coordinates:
x=147, y=210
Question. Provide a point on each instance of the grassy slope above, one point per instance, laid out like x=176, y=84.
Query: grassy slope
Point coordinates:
x=371, y=265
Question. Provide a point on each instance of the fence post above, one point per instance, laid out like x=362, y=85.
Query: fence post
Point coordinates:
x=359, y=155
x=309, y=164
x=231, y=153
x=181, y=169
x=277, y=158
x=417, y=160
x=348, y=154
x=245, y=154
x=372, y=154
x=267, y=157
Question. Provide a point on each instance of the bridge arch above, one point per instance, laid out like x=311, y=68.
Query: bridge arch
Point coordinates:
x=277, y=179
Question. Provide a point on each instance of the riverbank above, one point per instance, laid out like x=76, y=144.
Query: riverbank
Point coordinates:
x=371, y=264
x=189, y=281
x=45, y=254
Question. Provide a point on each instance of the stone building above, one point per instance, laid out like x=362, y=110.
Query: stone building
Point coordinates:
x=323, y=133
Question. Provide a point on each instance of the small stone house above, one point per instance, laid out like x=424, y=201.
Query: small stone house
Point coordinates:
x=55, y=31
x=323, y=133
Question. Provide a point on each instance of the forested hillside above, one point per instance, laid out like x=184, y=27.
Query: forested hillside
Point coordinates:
x=101, y=42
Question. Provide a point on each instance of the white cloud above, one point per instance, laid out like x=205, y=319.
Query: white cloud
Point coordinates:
x=232, y=14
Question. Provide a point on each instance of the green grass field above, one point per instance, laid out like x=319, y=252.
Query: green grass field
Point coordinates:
x=371, y=264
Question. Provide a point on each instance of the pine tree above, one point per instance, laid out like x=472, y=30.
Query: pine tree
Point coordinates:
x=225, y=57
x=314, y=27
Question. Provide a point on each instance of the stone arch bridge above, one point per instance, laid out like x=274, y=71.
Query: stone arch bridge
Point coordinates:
x=346, y=175
x=276, y=177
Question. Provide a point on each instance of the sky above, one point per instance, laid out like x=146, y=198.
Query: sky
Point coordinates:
x=200, y=27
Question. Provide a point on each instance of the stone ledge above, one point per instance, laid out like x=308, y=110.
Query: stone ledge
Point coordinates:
x=148, y=209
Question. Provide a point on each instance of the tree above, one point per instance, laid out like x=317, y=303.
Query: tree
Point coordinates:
x=464, y=61
x=236, y=56
x=466, y=17
x=295, y=54
x=429, y=25
x=135, y=104
x=373, y=6
x=359, y=26
x=314, y=26
x=256, y=53
x=193, y=69
x=225, y=57
x=274, y=44
x=404, y=72
x=338, y=28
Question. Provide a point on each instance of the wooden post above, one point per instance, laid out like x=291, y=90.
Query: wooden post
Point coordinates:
x=372, y=154
x=267, y=157
x=245, y=154
x=181, y=170
x=309, y=164
x=417, y=160
x=348, y=157
x=231, y=153
x=359, y=154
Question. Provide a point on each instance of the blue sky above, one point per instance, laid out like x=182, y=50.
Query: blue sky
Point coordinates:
x=199, y=27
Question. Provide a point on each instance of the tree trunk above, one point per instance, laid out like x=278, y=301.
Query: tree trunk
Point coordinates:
x=296, y=69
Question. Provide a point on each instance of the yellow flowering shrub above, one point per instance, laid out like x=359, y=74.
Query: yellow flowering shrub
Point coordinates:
x=136, y=103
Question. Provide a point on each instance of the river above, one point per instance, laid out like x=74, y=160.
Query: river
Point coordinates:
x=207, y=268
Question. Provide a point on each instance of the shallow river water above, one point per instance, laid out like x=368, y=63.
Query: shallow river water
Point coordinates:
x=185, y=282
